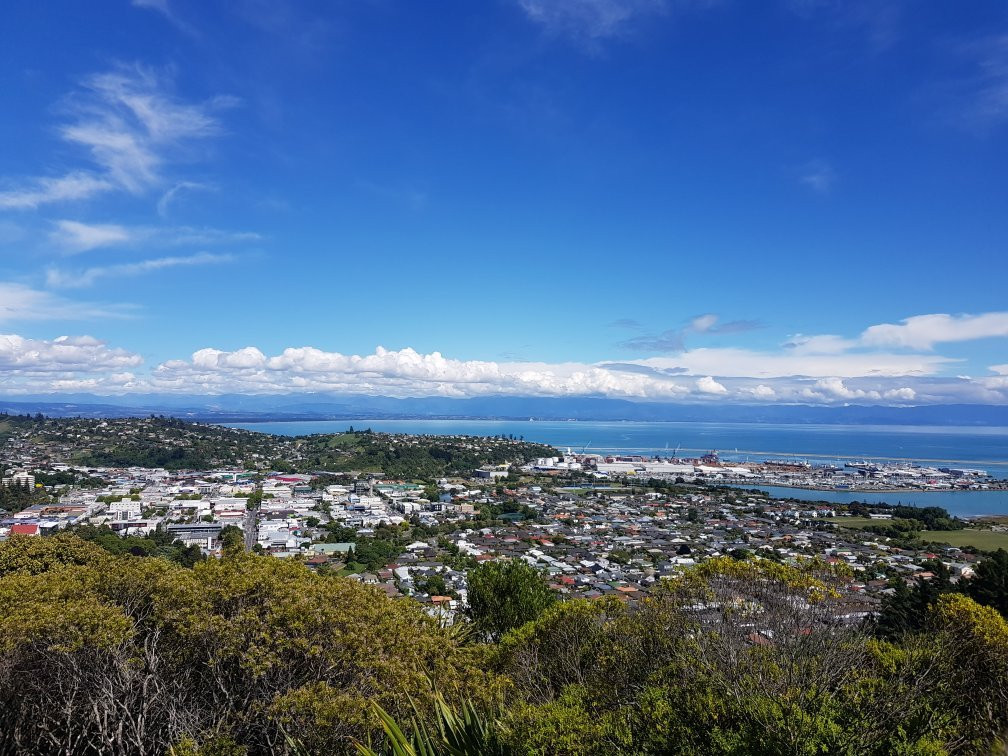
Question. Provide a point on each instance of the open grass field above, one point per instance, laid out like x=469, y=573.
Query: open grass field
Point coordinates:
x=985, y=540
x=855, y=522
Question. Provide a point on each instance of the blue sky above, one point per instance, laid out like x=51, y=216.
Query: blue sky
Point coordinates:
x=800, y=200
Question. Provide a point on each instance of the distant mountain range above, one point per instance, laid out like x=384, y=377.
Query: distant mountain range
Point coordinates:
x=250, y=408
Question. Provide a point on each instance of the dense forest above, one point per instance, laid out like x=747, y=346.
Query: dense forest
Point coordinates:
x=104, y=653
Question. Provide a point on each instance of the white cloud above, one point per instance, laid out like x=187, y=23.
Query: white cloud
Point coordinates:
x=707, y=385
x=407, y=372
x=78, y=185
x=924, y=331
x=402, y=372
x=819, y=176
x=703, y=323
x=591, y=19
x=763, y=364
x=816, y=369
x=130, y=126
x=170, y=195
x=822, y=344
x=85, y=364
x=61, y=354
x=674, y=339
x=761, y=391
x=835, y=387
x=980, y=97
x=906, y=393
x=74, y=236
x=23, y=303
x=82, y=278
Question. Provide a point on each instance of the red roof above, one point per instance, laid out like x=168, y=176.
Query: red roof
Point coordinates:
x=24, y=529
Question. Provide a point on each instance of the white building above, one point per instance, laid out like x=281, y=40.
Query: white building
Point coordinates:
x=19, y=478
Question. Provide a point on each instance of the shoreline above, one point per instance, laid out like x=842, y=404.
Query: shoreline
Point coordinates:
x=648, y=449
x=878, y=490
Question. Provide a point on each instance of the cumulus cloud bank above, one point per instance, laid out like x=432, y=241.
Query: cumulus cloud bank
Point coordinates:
x=823, y=369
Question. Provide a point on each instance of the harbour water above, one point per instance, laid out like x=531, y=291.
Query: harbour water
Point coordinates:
x=959, y=503
x=985, y=448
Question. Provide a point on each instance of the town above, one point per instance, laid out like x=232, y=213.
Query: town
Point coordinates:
x=596, y=526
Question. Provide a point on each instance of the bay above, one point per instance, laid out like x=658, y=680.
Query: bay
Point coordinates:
x=958, y=503
x=985, y=447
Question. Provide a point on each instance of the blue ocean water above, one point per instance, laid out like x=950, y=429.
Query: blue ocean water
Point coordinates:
x=985, y=448
x=959, y=503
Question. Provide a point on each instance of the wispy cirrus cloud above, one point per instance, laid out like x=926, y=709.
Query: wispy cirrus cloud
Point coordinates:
x=674, y=339
x=73, y=237
x=985, y=91
x=711, y=323
x=19, y=303
x=164, y=7
x=818, y=175
x=880, y=24
x=671, y=340
x=172, y=194
x=972, y=95
x=78, y=185
x=78, y=279
x=129, y=127
x=591, y=20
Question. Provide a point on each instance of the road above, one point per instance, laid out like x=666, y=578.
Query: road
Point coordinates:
x=251, y=529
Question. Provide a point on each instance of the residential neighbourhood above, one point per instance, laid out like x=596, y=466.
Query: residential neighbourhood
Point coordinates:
x=592, y=524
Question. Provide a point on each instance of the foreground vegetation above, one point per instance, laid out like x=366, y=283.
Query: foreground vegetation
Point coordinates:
x=122, y=654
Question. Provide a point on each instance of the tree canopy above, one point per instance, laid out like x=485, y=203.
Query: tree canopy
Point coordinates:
x=112, y=653
x=506, y=595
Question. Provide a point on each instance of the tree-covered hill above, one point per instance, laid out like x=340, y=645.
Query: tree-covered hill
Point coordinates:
x=181, y=445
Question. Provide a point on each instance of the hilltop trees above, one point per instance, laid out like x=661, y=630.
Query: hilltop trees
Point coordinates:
x=117, y=655
x=104, y=653
x=506, y=595
x=752, y=657
x=908, y=609
x=989, y=585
